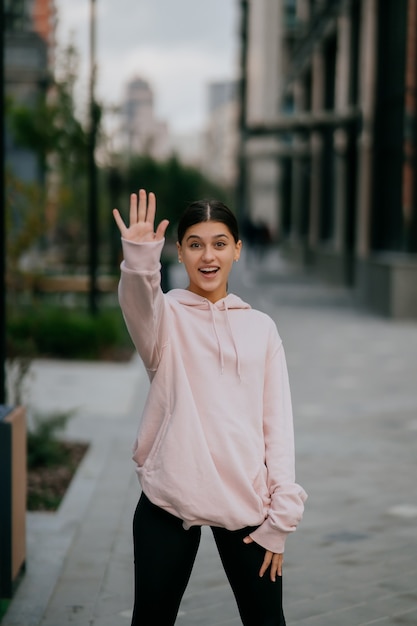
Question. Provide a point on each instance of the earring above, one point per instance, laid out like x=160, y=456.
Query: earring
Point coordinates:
x=179, y=261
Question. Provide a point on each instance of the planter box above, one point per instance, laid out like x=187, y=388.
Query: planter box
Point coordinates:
x=387, y=284
x=13, y=489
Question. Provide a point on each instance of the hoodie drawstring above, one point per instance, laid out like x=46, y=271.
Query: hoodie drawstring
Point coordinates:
x=213, y=317
x=219, y=345
x=233, y=341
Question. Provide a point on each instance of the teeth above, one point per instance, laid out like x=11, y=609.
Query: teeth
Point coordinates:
x=209, y=270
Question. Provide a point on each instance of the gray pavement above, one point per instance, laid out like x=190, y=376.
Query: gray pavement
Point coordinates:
x=353, y=560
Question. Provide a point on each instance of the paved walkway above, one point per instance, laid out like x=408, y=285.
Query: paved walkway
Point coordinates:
x=353, y=560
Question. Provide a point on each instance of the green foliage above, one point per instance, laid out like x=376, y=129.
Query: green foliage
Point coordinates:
x=174, y=184
x=43, y=501
x=64, y=333
x=4, y=605
x=51, y=462
x=25, y=221
x=50, y=128
x=43, y=448
x=50, y=124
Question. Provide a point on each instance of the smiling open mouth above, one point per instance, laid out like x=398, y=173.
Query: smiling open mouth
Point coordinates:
x=207, y=271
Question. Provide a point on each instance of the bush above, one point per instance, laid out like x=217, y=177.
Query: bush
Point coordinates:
x=68, y=334
x=43, y=448
x=51, y=463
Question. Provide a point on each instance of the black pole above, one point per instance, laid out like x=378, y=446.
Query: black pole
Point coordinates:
x=92, y=169
x=2, y=215
x=241, y=200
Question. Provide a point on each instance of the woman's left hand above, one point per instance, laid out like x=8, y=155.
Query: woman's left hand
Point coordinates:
x=272, y=560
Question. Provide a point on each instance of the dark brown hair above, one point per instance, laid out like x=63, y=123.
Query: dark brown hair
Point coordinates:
x=207, y=211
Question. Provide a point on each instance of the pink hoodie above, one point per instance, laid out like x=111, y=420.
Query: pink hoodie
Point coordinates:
x=215, y=445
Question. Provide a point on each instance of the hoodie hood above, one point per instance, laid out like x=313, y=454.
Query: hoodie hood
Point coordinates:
x=188, y=298
x=230, y=302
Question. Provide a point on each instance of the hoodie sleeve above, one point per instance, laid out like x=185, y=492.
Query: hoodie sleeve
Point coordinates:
x=142, y=300
x=287, y=498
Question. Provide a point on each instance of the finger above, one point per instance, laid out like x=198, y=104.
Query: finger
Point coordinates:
x=151, y=210
x=280, y=563
x=266, y=563
x=273, y=570
x=276, y=566
x=142, y=206
x=248, y=539
x=133, y=211
x=160, y=231
x=120, y=223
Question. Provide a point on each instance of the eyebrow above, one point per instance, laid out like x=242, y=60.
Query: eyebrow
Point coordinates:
x=213, y=237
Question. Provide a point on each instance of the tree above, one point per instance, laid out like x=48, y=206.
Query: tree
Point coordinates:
x=51, y=129
x=25, y=225
x=174, y=184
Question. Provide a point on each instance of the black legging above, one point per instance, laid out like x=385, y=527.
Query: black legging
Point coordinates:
x=164, y=558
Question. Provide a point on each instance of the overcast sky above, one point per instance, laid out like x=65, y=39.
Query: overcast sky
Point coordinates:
x=179, y=46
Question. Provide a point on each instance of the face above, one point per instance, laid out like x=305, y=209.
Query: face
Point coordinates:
x=208, y=251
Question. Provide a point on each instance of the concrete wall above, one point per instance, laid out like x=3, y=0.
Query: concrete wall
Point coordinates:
x=387, y=285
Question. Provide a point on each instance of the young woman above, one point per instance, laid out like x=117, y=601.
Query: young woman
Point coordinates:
x=215, y=445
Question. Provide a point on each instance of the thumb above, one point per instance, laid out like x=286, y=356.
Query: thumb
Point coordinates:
x=160, y=231
x=248, y=540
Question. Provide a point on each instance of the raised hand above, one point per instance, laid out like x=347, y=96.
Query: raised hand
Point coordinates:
x=141, y=219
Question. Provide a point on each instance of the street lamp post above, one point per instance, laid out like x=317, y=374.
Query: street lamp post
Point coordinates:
x=92, y=169
x=241, y=200
x=2, y=217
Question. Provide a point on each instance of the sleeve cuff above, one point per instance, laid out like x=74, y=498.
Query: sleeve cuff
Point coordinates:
x=269, y=538
x=142, y=257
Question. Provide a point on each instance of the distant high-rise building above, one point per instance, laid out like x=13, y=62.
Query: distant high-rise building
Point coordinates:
x=142, y=132
x=39, y=16
x=221, y=138
x=27, y=72
x=44, y=16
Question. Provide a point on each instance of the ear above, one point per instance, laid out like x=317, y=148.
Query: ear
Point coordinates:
x=179, y=252
x=238, y=248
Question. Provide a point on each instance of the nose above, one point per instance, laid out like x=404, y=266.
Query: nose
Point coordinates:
x=208, y=253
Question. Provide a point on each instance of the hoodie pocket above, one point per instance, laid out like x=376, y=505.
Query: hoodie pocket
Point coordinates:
x=260, y=487
x=160, y=436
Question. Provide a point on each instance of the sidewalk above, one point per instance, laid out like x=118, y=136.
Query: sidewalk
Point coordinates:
x=352, y=562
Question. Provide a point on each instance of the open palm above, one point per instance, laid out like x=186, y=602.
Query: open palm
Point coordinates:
x=141, y=227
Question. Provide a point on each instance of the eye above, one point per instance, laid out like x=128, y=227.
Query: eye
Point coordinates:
x=194, y=244
x=220, y=244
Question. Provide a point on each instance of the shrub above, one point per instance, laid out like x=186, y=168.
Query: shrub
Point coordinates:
x=51, y=463
x=43, y=448
x=64, y=333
